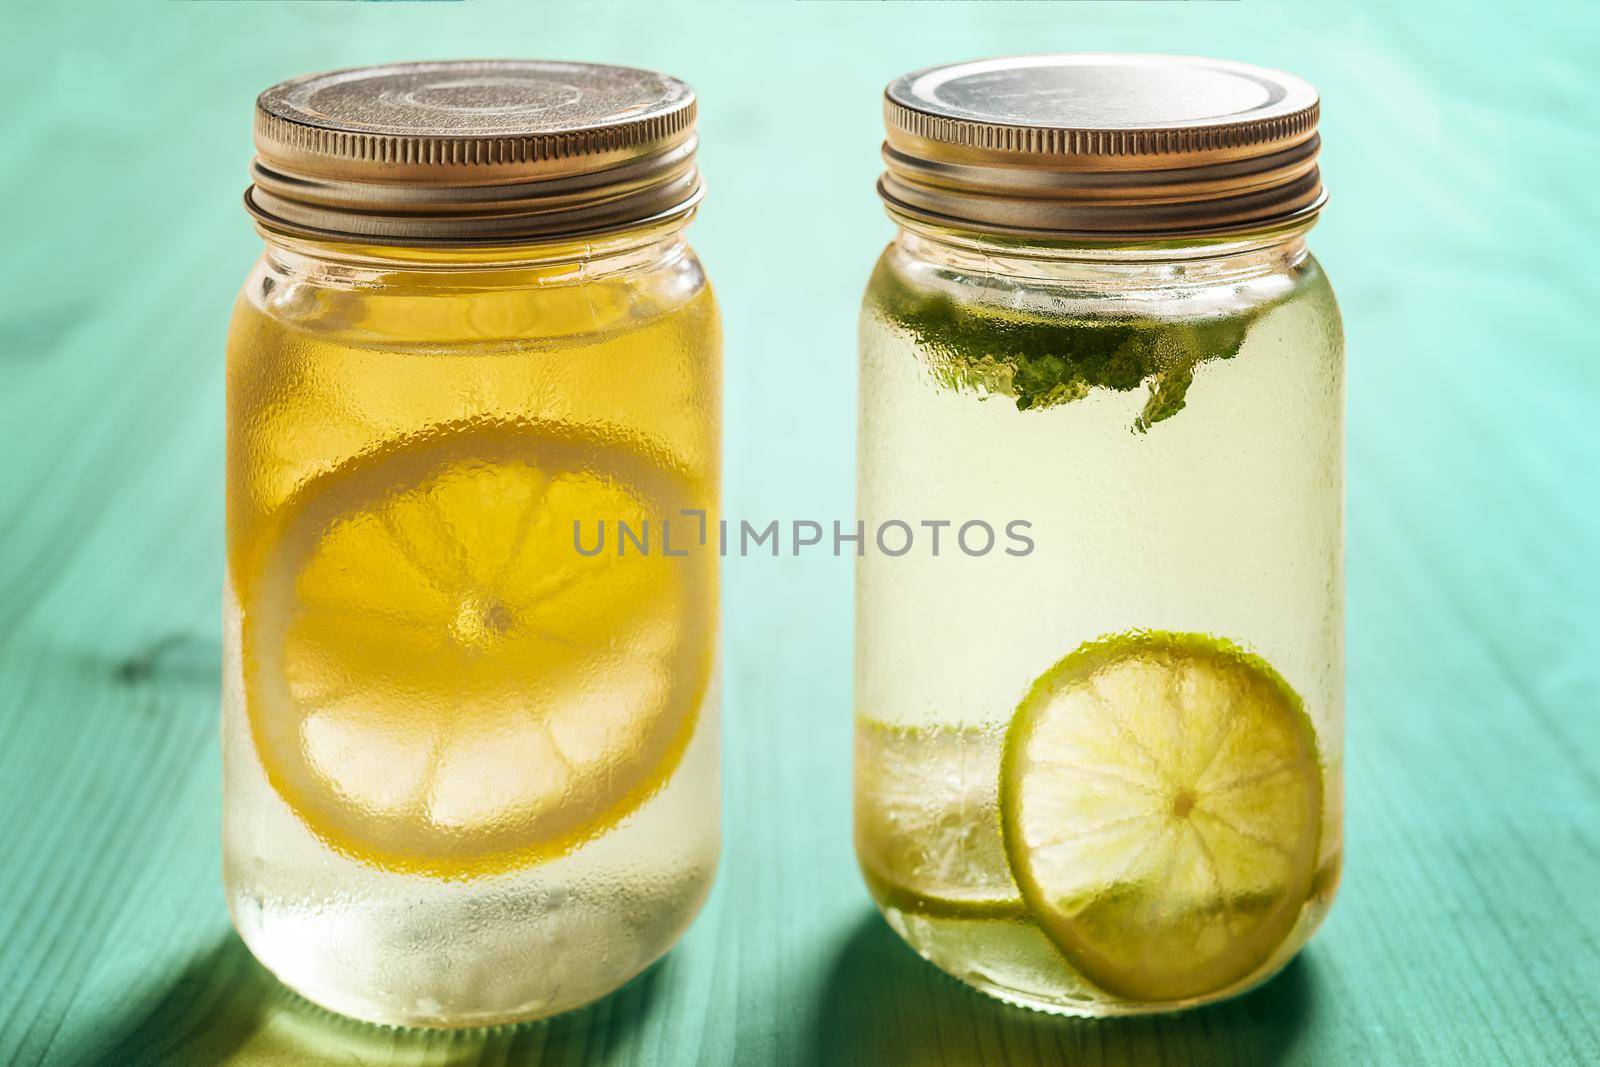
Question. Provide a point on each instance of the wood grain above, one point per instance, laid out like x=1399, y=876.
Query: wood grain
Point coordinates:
x=1460, y=237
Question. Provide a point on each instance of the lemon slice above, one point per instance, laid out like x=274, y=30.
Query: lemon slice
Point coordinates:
x=928, y=821
x=1161, y=801
x=438, y=681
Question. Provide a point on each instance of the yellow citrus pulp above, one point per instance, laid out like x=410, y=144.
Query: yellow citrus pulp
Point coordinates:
x=438, y=681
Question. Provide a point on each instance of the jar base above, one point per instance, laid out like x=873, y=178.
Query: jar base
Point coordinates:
x=1009, y=958
x=526, y=957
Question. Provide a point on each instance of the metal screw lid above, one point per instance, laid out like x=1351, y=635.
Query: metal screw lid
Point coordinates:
x=1102, y=147
x=475, y=152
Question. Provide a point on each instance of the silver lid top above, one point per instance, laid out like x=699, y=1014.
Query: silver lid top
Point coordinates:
x=473, y=152
x=1102, y=146
x=478, y=98
x=1095, y=91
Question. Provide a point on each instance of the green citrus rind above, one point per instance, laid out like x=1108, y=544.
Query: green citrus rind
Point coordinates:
x=895, y=836
x=1144, y=957
x=890, y=894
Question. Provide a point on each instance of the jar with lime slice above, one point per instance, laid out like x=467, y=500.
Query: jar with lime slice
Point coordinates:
x=469, y=724
x=1101, y=775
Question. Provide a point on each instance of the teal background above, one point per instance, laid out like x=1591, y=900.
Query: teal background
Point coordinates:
x=1461, y=143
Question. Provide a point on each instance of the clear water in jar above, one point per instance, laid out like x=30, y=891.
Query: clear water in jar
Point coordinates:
x=1204, y=501
x=471, y=773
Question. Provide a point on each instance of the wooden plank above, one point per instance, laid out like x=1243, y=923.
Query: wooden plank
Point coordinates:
x=1461, y=240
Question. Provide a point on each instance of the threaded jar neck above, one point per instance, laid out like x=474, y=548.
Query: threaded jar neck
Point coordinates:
x=1150, y=265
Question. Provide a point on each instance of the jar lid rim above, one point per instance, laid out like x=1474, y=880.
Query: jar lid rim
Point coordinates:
x=473, y=151
x=1102, y=145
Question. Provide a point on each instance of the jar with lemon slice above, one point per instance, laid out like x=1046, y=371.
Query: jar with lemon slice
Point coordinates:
x=470, y=730
x=1102, y=776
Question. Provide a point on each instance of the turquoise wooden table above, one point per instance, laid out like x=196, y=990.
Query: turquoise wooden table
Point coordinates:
x=1461, y=142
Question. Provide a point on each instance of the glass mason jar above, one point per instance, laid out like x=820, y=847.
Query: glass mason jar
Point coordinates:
x=470, y=712
x=1099, y=724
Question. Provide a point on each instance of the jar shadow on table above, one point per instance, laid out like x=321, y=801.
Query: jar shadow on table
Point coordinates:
x=225, y=1008
x=884, y=1006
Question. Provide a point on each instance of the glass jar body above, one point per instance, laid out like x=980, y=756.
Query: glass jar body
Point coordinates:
x=471, y=757
x=1154, y=438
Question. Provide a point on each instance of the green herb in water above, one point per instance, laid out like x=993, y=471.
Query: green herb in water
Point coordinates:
x=1042, y=362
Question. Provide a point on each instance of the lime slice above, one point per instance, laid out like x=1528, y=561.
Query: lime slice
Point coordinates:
x=1161, y=801
x=928, y=821
x=438, y=681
